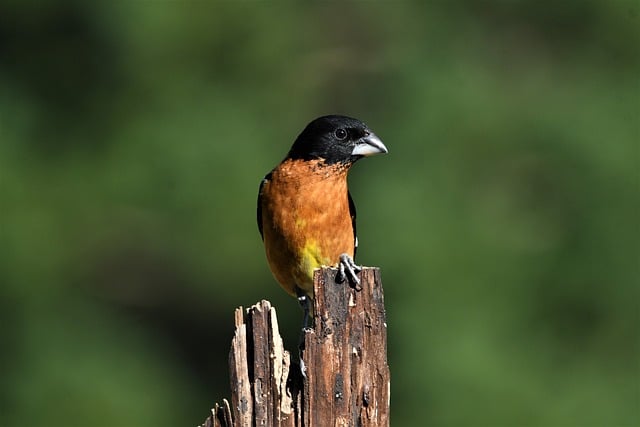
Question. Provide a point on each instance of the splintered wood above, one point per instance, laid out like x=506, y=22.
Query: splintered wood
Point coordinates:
x=346, y=354
x=347, y=376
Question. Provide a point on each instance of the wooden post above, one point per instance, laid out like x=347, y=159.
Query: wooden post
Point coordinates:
x=347, y=376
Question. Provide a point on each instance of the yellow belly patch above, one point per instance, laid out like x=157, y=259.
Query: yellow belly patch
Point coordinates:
x=311, y=258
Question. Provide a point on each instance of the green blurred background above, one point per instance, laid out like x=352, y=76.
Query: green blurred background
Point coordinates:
x=133, y=136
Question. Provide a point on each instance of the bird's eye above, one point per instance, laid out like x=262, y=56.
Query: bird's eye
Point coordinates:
x=340, y=134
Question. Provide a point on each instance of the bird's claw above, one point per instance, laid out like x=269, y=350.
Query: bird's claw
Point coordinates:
x=348, y=267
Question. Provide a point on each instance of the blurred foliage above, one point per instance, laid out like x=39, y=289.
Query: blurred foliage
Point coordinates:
x=133, y=136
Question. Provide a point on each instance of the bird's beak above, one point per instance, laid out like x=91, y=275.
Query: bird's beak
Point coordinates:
x=368, y=146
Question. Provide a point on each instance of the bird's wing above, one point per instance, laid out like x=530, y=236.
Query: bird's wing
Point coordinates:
x=352, y=212
x=259, y=209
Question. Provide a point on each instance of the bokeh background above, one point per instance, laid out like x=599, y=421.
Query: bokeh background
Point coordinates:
x=133, y=136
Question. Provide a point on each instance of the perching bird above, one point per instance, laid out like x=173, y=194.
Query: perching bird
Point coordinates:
x=306, y=216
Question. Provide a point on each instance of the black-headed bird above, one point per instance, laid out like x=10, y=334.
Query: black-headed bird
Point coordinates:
x=306, y=215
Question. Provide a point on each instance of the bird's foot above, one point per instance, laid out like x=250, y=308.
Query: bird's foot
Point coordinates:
x=348, y=268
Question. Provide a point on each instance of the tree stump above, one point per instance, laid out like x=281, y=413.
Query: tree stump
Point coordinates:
x=346, y=380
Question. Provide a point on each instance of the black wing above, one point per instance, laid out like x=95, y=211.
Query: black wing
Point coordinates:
x=352, y=212
x=259, y=210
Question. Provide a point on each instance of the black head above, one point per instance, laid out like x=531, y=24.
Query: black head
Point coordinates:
x=336, y=139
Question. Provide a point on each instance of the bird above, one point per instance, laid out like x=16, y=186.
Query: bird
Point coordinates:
x=306, y=215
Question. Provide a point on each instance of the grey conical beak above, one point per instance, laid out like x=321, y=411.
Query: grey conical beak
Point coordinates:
x=368, y=146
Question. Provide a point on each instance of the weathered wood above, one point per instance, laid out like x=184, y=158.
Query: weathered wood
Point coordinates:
x=220, y=416
x=347, y=376
x=346, y=354
x=241, y=398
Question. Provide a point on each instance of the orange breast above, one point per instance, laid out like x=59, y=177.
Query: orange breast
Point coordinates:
x=305, y=220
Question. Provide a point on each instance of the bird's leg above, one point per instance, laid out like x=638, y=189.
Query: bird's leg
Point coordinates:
x=348, y=267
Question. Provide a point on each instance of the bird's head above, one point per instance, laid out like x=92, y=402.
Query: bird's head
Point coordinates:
x=336, y=139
